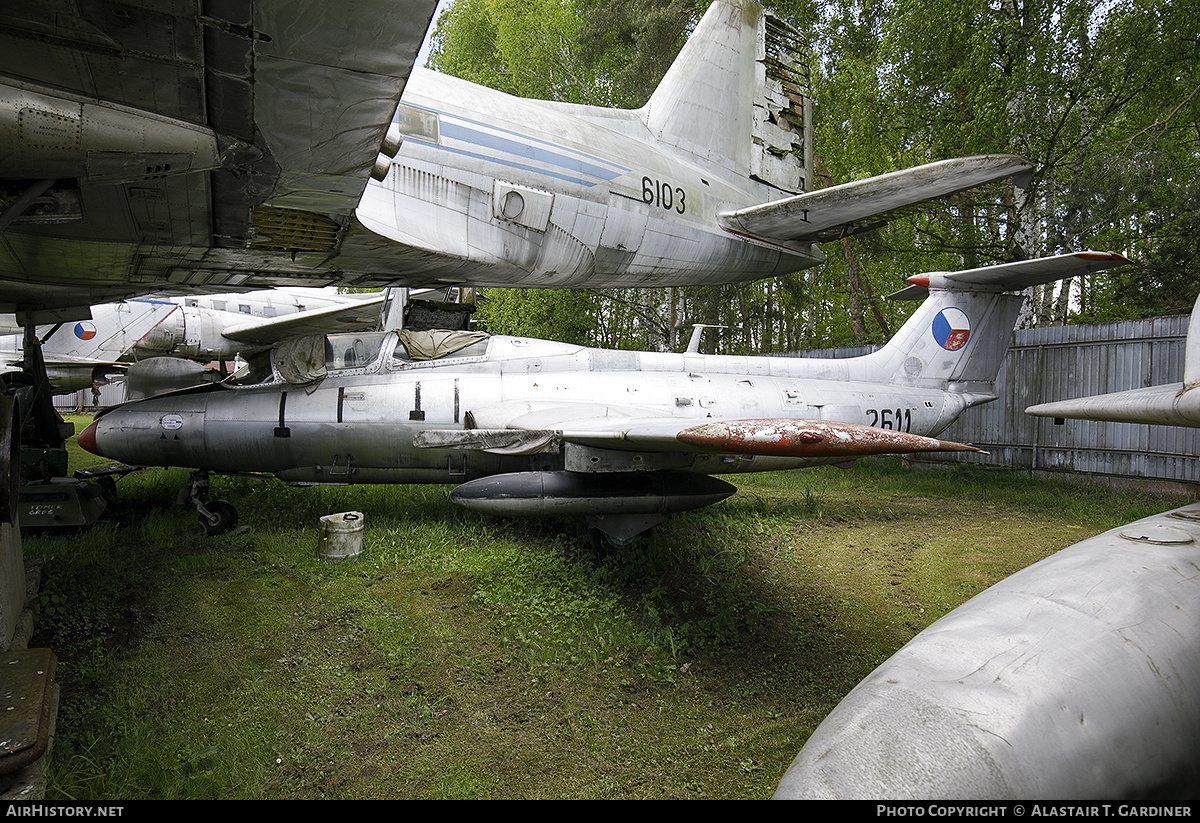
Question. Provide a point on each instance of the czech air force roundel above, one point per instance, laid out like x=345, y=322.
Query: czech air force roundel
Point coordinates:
x=85, y=331
x=951, y=328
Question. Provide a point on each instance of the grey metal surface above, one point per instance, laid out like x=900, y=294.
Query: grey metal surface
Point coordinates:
x=239, y=145
x=365, y=408
x=1076, y=678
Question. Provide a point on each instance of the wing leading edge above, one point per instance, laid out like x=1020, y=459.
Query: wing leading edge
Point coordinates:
x=1173, y=404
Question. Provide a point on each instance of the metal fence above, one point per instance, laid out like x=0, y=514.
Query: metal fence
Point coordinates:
x=1061, y=362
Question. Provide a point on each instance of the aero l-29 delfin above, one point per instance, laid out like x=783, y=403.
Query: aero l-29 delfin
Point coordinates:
x=92, y=352
x=538, y=427
x=167, y=150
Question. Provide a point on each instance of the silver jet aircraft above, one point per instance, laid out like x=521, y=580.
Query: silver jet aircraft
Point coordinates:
x=160, y=148
x=85, y=353
x=538, y=427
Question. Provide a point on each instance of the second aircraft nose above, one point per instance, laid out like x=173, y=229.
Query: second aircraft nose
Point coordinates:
x=87, y=438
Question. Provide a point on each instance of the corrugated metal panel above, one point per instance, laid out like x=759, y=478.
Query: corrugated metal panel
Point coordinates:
x=82, y=402
x=1061, y=362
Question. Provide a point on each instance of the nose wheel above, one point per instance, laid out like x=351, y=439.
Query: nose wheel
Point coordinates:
x=215, y=516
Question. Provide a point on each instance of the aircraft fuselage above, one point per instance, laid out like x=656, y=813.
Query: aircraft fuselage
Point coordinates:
x=591, y=198
x=358, y=425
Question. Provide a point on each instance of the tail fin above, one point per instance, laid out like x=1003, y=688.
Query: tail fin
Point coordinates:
x=700, y=106
x=953, y=337
x=735, y=98
x=960, y=334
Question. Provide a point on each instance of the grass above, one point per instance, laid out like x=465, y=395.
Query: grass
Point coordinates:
x=470, y=657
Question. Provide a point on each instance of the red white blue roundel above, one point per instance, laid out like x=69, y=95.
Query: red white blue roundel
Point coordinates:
x=951, y=328
x=85, y=331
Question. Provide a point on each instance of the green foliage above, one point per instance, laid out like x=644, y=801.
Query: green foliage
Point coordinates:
x=1100, y=96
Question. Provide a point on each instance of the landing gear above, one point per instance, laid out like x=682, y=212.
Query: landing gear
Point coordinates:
x=609, y=533
x=216, y=516
x=604, y=544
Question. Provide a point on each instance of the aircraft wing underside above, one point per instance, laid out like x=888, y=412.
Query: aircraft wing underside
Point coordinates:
x=189, y=149
x=362, y=314
x=836, y=211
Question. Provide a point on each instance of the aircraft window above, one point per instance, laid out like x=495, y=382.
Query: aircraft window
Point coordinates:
x=243, y=308
x=268, y=311
x=219, y=305
x=256, y=370
x=438, y=343
x=422, y=124
x=352, y=351
x=191, y=303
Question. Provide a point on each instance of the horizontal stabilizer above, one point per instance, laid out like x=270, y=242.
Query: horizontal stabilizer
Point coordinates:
x=1011, y=276
x=830, y=213
x=1170, y=405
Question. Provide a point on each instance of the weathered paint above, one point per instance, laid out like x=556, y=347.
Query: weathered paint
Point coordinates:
x=1055, y=362
x=360, y=409
x=810, y=438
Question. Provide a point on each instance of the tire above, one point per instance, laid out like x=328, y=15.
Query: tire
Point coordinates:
x=223, y=517
x=604, y=544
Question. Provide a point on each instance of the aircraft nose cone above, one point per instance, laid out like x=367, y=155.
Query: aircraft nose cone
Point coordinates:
x=87, y=438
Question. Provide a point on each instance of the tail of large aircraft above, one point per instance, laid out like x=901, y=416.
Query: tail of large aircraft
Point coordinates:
x=702, y=105
x=960, y=333
x=736, y=99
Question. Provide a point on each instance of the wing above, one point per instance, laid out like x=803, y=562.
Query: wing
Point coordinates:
x=826, y=214
x=1169, y=405
x=1175, y=404
x=357, y=315
x=626, y=429
x=178, y=146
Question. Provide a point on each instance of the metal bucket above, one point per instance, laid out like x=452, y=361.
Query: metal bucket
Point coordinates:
x=340, y=535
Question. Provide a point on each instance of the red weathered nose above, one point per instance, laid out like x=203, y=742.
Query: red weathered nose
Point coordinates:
x=87, y=438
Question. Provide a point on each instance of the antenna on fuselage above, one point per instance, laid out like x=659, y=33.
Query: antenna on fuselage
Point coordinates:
x=693, y=346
